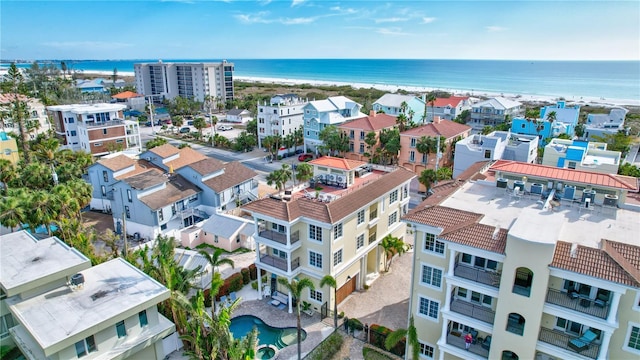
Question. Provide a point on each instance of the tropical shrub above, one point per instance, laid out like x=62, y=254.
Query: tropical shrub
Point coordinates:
x=245, y=276
x=253, y=272
x=327, y=348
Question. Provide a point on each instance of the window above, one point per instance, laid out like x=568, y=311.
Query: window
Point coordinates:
x=103, y=190
x=428, y=308
x=632, y=341
x=161, y=215
x=74, y=133
x=315, y=233
x=337, y=231
x=571, y=165
x=127, y=212
x=523, y=281
x=413, y=142
x=360, y=217
x=315, y=259
x=515, y=324
x=142, y=316
x=104, y=131
x=280, y=253
x=350, y=147
x=351, y=134
x=97, y=144
x=129, y=197
x=6, y=323
x=393, y=218
x=315, y=295
x=424, y=158
x=431, y=276
x=105, y=176
x=279, y=228
x=487, y=154
x=337, y=257
x=412, y=156
x=121, y=329
x=433, y=245
x=71, y=120
x=426, y=350
x=360, y=241
x=361, y=150
x=86, y=346
x=393, y=197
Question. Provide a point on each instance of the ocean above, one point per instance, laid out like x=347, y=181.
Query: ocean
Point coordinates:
x=568, y=79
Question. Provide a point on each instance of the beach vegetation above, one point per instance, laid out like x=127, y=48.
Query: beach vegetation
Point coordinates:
x=619, y=141
x=272, y=144
x=331, y=282
x=252, y=127
x=182, y=106
x=199, y=123
x=155, y=143
x=629, y=170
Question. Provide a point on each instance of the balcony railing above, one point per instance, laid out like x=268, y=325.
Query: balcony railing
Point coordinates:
x=373, y=215
x=194, y=212
x=457, y=340
x=372, y=238
x=479, y=312
x=278, y=236
x=279, y=263
x=474, y=274
x=92, y=124
x=561, y=340
x=580, y=304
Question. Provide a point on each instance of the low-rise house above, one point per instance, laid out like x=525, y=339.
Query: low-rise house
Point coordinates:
x=358, y=129
x=9, y=148
x=554, y=120
x=91, y=85
x=494, y=146
x=581, y=155
x=447, y=108
x=134, y=101
x=336, y=231
x=319, y=114
x=221, y=230
x=605, y=124
x=563, y=292
x=240, y=116
x=413, y=107
x=97, y=129
x=415, y=161
x=281, y=116
x=62, y=308
x=37, y=121
x=493, y=111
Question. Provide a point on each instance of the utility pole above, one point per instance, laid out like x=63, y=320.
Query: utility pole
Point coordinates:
x=151, y=113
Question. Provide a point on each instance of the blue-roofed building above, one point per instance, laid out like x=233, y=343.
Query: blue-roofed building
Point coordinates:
x=566, y=119
x=319, y=114
x=91, y=86
x=581, y=155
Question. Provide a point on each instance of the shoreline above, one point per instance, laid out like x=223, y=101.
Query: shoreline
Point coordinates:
x=578, y=100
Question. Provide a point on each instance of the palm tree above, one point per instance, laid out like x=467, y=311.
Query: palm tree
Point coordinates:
x=552, y=116
x=444, y=173
x=330, y=281
x=12, y=212
x=401, y=120
x=288, y=141
x=428, y=177
x=425, y=145
x=392, y=245
x=295, y=288
x=18, y=109
x=7, y=174
x=371, y=139
x=280, y=177
x=412, y=336
x=304, y=172
x=298, y=136
x=215, y=260
x=431, y=99
x=42, y=210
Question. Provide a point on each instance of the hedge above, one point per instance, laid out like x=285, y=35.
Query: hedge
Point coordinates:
x=253, y=272
x=378, y=335
x=327, y=348
x=245, y=276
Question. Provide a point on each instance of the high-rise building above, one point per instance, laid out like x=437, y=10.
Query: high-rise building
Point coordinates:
x=281, y=116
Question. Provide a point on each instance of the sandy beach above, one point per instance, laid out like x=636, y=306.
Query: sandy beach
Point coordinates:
x=582, y=101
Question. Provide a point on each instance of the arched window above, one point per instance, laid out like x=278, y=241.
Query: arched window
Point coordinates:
x=509, y=355
x=515, y=323
x=523, y=281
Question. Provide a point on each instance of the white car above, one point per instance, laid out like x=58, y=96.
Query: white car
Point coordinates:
x=225, y=127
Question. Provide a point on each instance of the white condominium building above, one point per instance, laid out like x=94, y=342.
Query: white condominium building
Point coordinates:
x=196, y=80
x=281, y=116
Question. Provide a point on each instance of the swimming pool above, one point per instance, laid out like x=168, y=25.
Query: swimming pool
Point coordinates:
x=268, y=335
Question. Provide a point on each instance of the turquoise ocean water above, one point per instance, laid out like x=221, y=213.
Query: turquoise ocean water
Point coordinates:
x=569, y=79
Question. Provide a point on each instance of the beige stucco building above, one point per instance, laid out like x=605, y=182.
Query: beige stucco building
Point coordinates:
x=334, y=231
x=528, y=275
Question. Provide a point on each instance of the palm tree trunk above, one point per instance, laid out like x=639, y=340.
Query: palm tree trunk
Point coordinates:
x=335, y=307
x=299, y=334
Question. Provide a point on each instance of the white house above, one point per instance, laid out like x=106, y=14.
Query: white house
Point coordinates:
x=238, y=116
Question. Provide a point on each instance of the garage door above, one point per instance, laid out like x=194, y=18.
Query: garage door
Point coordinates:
x=346, y=289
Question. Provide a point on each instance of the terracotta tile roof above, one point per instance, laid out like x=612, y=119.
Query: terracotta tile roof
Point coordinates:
x=440, y=193
x=207, y=166
x=126, y=95
x=234, y=174
x=9, y=97
x=445, y=128
x=595, y=262
x=117, y=163
x=442, y=217
x=146, y=179
x=334, y=211
x=473, y=170
x=627, y=256
x=177, y=188
x=337, y=163
x=187, y=156
x=479, y=236
x=370, y=123
x=578, y=176
x=166, y=150
x=452, y=101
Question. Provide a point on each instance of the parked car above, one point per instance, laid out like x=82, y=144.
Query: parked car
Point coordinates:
x=156, y=123
x=299, y=151
x=185, y=130
x=225, y=127
x=190, y=122
x=305, y=157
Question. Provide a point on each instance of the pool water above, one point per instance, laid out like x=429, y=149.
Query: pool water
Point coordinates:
x=267, y=335
x=265, y=353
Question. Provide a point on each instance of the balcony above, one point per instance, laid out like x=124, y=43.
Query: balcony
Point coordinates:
x=584, y=305
x=456, y=339
x=478, y=275
x=372, y=238
x=278, y=237
x=478, y=312
x=279, y=263
x=98, y=124
x=561, y=340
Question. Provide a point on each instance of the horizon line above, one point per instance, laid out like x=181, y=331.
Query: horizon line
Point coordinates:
x=10, y=61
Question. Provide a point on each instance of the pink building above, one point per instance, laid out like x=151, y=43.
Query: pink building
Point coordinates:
x=358, y=129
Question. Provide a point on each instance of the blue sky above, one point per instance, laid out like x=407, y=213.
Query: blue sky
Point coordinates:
x=199, y=29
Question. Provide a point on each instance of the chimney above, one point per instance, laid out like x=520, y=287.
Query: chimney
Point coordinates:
x=495, y=232
x=372, y=113
x=574, y=251
x=436, y=119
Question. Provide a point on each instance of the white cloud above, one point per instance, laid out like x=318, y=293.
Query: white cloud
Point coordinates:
x=392, y=31
x=296, y=21
x=428, y=20
x=343, y=10
x=296, y=2
x=86, y=45
x=264, y=2
x=494, y=28
x=257, y=18
x=390, y=20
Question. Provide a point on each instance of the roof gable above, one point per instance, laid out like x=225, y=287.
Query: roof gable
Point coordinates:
x=371, y=123
x=446, y=128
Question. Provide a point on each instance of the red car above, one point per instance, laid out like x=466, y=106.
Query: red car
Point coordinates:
x=305, y=157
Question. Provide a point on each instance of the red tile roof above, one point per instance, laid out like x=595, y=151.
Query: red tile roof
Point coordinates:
x=446, y=128
x=371, y=123
x=480, y=236
x=577, y=176
x=475, y=169
x=598, y=262
x=452, y=101
x=337, y=163
x=446, y=218
x=9, y=97
x=126, y=95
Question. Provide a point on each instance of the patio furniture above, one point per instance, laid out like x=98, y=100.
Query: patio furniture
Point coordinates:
x=601, y=300
x=223, y=299
x=275, y=303
x=486, y=344
x=582, y=343
x=474, y=335
x=280, y=297
x=233, y=296
x=266, y=291
x=572, y=294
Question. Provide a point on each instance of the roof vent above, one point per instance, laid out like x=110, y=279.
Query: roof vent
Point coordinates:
x=495, y=232
x=574, y=251
x=77, y=281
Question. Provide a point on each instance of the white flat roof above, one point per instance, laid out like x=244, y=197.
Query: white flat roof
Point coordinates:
x=110, y=289
x=24, y=259
x=599, y=159
x=87, y=108
x=584, y=227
